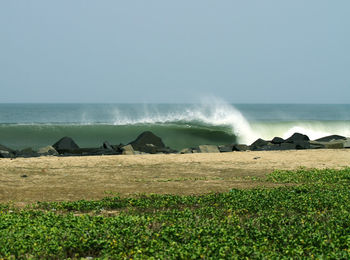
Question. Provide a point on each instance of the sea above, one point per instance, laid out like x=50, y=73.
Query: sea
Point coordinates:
x=179, y=125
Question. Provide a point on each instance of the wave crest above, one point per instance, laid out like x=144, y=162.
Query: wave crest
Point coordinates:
x=213, y=112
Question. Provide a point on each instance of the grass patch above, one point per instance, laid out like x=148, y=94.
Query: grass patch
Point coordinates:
x=303, y=175
x=308, y=220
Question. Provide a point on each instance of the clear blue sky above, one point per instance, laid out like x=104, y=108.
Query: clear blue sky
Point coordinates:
x=175, y=51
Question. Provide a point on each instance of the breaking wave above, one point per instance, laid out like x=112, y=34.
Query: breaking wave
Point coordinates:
x=212, y=121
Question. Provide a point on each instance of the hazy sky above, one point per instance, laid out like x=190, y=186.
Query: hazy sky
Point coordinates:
x=258, y=51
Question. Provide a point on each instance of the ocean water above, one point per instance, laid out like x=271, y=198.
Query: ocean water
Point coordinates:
x=179, y=125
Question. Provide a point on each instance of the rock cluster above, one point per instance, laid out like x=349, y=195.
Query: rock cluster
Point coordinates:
x=149, y=143
x=295, y=142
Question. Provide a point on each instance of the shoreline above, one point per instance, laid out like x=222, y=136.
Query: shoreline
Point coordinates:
x=149, y=143
x=50, y=178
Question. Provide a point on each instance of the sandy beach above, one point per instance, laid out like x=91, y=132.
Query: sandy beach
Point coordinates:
x=26, y=180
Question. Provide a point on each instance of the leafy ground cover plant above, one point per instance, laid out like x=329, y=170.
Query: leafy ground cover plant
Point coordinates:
x=308, y=220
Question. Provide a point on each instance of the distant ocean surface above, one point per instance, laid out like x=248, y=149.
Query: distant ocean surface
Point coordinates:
x=179, y=125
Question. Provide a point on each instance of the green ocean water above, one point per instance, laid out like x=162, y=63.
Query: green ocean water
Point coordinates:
x=179, y=125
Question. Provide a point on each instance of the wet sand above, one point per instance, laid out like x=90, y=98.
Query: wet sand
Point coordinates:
x=27, y=180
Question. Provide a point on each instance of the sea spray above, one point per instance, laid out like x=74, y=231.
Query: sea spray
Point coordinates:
x=219, y=113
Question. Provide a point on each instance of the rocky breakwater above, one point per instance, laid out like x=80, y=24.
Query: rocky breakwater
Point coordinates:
x=300, y=141
x=148, y=143
x=295, y=142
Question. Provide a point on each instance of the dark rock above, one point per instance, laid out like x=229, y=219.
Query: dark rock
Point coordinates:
x=277, y=140
x=65, y=145
x=226, y=148
x=299, y=140
x=26, y=153
x=240, y=147
x=288, y=146
x=302, y=145
x=331, y=138
x=297, y=137
x=24, y=176
x=259, y=144
x=268, y=147
x=147, y=142
x=89, y=152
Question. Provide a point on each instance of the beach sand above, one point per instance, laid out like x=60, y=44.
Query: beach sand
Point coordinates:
x=27, y=180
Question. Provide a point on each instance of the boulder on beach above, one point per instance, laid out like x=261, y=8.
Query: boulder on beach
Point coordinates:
x=299, y=140
x=277, y=140
x=297, y=137
x=65, y=144
x=147, y=142
x=259, y=144
x=296, y=141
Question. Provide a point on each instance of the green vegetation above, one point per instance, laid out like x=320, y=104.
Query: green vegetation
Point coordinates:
x=308, y=218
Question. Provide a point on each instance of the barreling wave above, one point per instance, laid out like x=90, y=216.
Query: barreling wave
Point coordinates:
x=177, y=135
x=211, y=122
x=214, y=114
